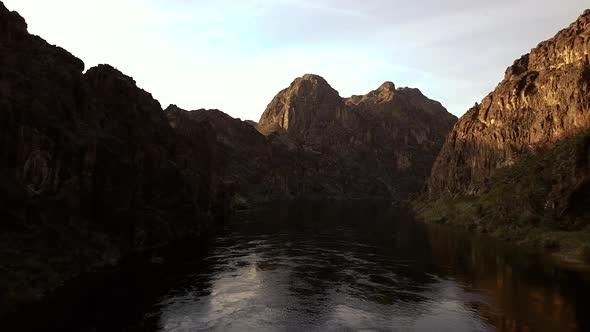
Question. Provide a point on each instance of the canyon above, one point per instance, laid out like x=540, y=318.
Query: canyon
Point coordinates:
x=94, y=170
x=94, y=173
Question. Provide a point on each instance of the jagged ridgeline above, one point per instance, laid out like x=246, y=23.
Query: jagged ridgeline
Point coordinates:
x=521, y=156
x=311, y=143
x=380, y=144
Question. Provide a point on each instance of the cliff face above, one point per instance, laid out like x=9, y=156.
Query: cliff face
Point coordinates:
x=544, y=98
x=87, y=166
x=382, y=143
x=518, y=164
x=244, y=166
x=228, y=154
x=309, y=105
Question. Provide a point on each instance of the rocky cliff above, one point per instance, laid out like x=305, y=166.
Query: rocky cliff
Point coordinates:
x=517, y=164
x=88, y=170
x=317, y=144
x=233, y=157
x=544, y=98
x=247, y=167
x=382, y=143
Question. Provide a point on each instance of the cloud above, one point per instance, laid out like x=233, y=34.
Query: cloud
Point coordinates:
x=236, y=55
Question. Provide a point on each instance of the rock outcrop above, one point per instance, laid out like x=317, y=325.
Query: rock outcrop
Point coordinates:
x=517, y=165
x=381, y=144
x=244, y=166
x=544, y=98
x=87, y=167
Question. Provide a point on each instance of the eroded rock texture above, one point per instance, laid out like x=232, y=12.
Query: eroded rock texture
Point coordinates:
x=381, y=144
x=544, y=98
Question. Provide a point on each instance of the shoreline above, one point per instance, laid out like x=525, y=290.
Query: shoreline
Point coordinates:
x=567, y=248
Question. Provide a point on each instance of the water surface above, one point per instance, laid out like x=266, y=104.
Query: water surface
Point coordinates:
x=326, y=267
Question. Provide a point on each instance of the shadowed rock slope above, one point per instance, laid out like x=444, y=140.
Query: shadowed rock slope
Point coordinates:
x=87, y=168
x=237, y=163
x=382, y=144
x=520, y=157
x=247, y=167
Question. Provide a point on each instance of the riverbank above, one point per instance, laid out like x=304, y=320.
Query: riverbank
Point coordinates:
x=540, y=201
x=568, y=242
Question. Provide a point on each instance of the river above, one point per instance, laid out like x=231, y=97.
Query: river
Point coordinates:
x=325, y=266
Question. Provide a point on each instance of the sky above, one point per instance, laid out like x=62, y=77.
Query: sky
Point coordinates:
x=236, y=55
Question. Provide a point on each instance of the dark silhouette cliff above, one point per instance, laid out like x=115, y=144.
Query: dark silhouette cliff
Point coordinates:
x=88, y=170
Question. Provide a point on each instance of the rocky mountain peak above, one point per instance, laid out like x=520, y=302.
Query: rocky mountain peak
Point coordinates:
x=15, y=39
x=173, y=108
x=312, y=77
x=12, y=24
x=311, y=85
x=309, y=100
x=106, y=72
x=368, y=131
x=385, y=93
x=387, y=86
x=569, y=47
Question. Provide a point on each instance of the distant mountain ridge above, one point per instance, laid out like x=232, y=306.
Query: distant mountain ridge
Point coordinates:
x=389, y=136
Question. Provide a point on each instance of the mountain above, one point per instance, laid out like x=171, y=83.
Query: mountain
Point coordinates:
x=249, y=168
x=313, y=144
x=544, y=98
x=383, y=143
x=87, y=164
x=520, y=157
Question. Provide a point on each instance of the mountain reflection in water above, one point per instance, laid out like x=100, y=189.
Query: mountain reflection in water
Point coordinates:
x=333, y=266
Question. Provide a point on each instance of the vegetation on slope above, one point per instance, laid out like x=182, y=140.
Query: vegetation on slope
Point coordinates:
x=543, y=201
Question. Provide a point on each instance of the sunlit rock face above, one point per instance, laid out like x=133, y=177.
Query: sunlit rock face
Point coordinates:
x=309, y=100
x=383, y=143
x=544, y=98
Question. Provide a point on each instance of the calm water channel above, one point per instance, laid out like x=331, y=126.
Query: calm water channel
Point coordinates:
x=325, y=267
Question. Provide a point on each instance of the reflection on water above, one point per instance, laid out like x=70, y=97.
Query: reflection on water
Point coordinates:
x=334, y=267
